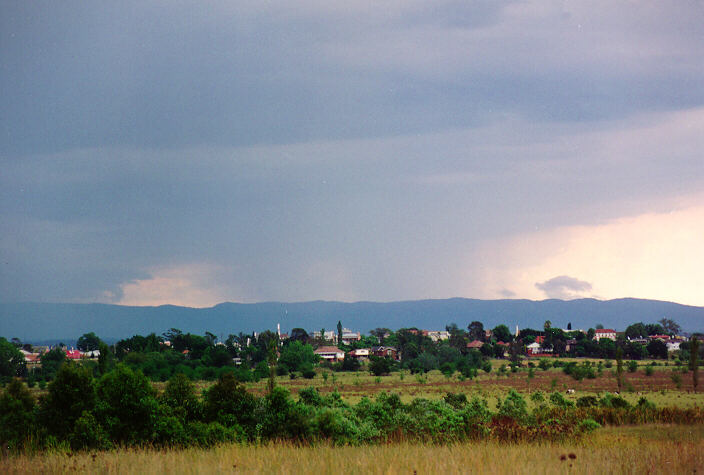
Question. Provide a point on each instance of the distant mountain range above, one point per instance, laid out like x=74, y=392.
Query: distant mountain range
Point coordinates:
x=66, y=322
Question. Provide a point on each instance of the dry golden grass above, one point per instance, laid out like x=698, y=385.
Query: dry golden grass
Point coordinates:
x=643, y=449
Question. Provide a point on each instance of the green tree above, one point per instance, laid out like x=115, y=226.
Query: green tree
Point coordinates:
x=295, y=355
x=12, y=362
x=229, y=403
x=339, y=332
x=16, y=414
x=126, y=405
x=380, y=366
x=670, y=326
x=636, y=330
x=657, y=349
x=180, y=396
x=299, y=334
x=502, y=333
x=106, y=360
x=88, y=342
x=380, y=334
x=51, y=361
x=70, y=394
x=476, y=331
x=694, y=360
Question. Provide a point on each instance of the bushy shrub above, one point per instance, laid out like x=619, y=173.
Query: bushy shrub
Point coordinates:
x=88, y=433
x=126, y=405
x=613, y=401
x=632, y=366
x=229, y=403
x=380, y=366
x=70, y=394
x=559, y=400
x=180, y=396
x=458, y=400
x=213, y=433
x=16, y=415
x=310, y=396
x=587, y=401
x=588, y=425
x=537, y=397
x=514, y=407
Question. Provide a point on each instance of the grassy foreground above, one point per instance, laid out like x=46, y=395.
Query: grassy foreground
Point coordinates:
x=641, y=449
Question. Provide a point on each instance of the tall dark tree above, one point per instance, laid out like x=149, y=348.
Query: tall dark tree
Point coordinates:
x=636, y=330
x=657, y=349
x=569, y=325
x=88, y=342
x=299, y=334
x=339, y=332
x=12, y=362
x=210, y=338
x=380, y=333
x=457, y=337
x=502, y=333
x=670, y=326
x=694, y=360
x=476, y=331
x=619, y=367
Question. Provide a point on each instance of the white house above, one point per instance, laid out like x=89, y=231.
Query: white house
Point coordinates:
x=534, y=348
x=437, y=335
x=360, y=353
x=605, y=333
x=330, y=353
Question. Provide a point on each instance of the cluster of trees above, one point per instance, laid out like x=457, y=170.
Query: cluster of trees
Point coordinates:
x=123, y=408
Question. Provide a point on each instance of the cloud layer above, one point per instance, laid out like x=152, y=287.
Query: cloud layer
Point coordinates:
x=154, y=152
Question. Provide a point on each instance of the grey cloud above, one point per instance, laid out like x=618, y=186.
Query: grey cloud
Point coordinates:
x=290, y=141
x=564, y=287
x=140, y=74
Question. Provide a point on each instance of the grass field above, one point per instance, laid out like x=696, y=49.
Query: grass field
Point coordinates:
x=658, y=388
x=642, y=449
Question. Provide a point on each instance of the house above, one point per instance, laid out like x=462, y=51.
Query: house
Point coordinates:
x=31, y=358
x=571, y=343
x=437, y=335
x=476, y=344
x=534, y=348
x=330, y=335
x=73, y=355
x=605, y=333
x=91, y=354
x=660, y=337
x=348, y=336
x=330, y=353
x=673, y=345
x=360, y=353
x=385, y=352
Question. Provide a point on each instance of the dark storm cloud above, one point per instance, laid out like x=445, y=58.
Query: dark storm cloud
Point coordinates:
x=293, y=142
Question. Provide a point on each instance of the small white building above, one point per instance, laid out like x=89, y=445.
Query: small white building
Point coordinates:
x=605, y=333
x=438, y=335
x=534, y=348
x=673, y=345
x=330, y=353
x=360, y=353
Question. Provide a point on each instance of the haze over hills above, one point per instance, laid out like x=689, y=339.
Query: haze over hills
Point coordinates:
x=66, y=321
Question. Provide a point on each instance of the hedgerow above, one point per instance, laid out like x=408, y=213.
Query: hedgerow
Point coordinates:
x=123, y=409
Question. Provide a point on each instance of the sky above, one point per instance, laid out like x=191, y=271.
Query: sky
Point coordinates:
x=191, y=153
